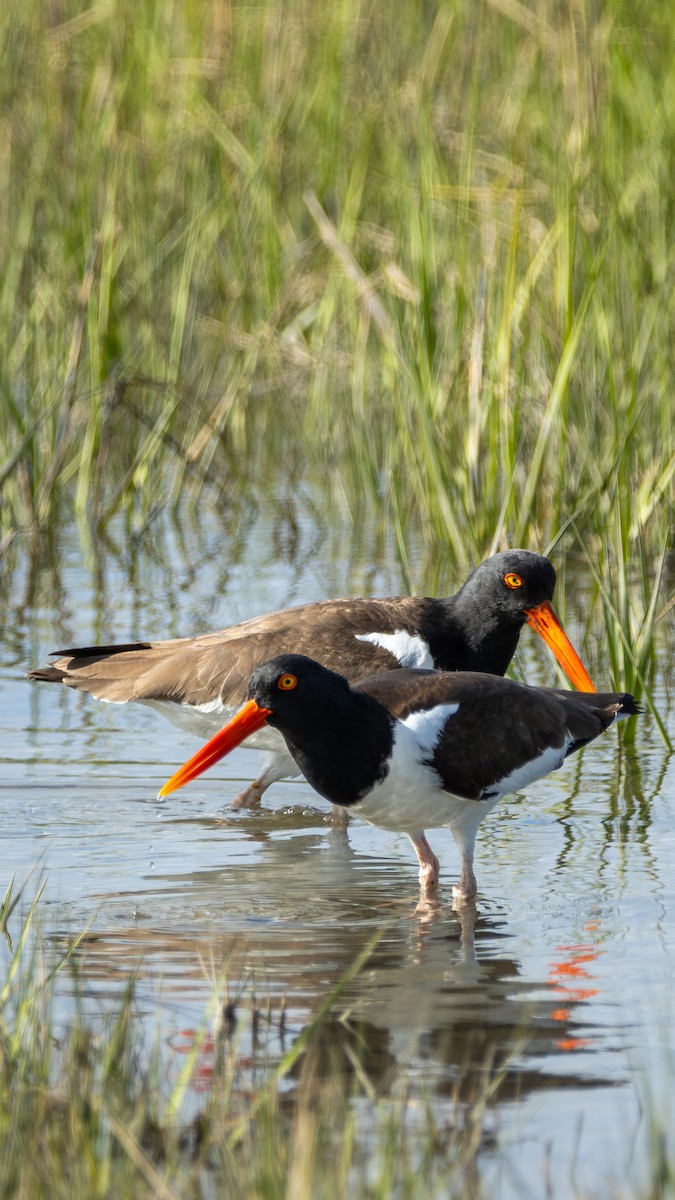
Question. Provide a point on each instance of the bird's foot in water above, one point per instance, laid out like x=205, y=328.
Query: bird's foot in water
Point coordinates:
x=430, y=868
x=463, y=895
x=466, y=890
x=427, y=909
x=428, y=878
x=250, y=797
x=339, y=817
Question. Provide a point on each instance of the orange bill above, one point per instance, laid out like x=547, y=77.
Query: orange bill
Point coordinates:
x=544, y=621
x=249, y=718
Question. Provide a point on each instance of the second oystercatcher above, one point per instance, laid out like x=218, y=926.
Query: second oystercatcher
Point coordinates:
x=413, y=749
x=198, y=681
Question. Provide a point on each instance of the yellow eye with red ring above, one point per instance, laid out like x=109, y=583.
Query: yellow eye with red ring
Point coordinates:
x=512, y=580
x=287, y=682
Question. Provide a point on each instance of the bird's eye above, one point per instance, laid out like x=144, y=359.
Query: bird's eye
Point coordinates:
x=286, y=682
x=512, y=580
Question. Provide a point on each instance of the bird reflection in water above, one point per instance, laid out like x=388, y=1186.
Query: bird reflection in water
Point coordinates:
x=438, y=1000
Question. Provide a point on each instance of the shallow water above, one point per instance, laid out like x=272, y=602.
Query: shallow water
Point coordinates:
x=566, y=978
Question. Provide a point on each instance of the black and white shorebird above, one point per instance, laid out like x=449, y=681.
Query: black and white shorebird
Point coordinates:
x=410, y=750
x=198, y=681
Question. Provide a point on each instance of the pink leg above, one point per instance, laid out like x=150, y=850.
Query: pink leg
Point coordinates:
x=275, y=767
x=251, y=795
x=466, y=890
x=339, y=816
x=429, y=865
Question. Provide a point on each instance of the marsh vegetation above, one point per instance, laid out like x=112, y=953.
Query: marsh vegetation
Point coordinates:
x=412, y=276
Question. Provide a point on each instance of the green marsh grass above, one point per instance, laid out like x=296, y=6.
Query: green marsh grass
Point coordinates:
x=422, y=268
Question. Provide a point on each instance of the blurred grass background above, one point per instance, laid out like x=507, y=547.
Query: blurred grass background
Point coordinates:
x=419, y=261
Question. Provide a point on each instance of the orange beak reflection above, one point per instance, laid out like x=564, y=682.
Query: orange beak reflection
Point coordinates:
x=544, y=621
x=249, y=718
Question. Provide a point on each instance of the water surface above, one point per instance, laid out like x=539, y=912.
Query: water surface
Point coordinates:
x=565, y=980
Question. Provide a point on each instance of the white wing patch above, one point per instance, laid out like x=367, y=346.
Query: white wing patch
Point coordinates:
x=411, y=795
x=408, y=649
x=427, y=724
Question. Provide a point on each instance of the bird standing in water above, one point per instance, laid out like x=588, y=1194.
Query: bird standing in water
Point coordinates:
x=409, y=750
x=198, y=682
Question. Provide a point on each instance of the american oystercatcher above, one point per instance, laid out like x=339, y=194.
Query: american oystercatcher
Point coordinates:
x=198, y=682
x=413, y=749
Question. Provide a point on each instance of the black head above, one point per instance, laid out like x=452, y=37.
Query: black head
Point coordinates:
x=293, y=684
x=339, y=738
x=507, y=585
x=502, y=594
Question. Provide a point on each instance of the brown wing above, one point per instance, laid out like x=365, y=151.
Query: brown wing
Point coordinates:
x=500, y=726
x=218, y=665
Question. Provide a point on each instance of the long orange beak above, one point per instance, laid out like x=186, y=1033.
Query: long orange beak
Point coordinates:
x=249, y=718
x=544, y=621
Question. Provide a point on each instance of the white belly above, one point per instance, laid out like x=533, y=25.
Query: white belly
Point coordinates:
x=409, y=811
x=411, y=797
x=206, y=719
